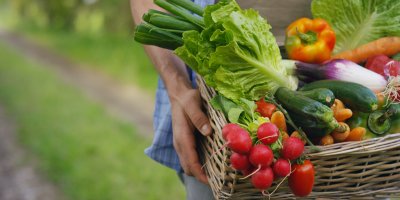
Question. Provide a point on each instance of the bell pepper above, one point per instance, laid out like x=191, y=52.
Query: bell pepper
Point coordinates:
x=310, y=41
x=359, y=119
x=395, y=119
x=365, y=120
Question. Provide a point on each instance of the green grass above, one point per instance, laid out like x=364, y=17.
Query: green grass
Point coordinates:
x=116, y=55
x=85, y=151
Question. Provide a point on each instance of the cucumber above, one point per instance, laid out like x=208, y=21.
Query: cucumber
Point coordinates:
x=312, y=128
x=357, y=97
x=306, y=112
x=322, y=95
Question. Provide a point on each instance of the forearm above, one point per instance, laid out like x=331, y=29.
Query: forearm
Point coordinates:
x=171, y=69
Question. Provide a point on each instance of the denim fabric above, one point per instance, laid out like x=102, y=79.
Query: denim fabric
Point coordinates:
x=162, y=149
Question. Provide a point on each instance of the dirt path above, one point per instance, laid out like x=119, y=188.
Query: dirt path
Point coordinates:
x=19, y=180
x=126, y=102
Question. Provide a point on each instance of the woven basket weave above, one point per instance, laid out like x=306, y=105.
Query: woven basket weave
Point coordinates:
x=368, y=169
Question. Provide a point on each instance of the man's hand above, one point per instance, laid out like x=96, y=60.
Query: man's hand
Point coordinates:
x=185, y=101
x=186, y=116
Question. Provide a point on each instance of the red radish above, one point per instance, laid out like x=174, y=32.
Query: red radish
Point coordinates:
x=239, y=161
x=263, y=178
x=383, y=65
x=268, y=133
x=248, y=171
x=292, y=148
x=281, y=168
x=376, y=63
x=228, y=128
x=239, y=141
x=261, y=156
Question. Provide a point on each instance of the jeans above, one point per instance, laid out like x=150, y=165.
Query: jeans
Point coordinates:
x=195, y=190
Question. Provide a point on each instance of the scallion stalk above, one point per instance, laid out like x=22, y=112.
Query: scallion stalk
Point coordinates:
x=174, y=9
x=168, y=22
x=148, y=34
x=189, y=5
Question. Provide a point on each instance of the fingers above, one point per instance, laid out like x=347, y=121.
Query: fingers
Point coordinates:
x=185, y=146
x=196, y=114
x=197, y=171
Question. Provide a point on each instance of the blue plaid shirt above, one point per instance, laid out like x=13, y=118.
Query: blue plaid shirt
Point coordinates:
x=162, y=149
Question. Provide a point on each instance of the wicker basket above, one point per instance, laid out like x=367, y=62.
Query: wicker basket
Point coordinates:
x=368, y=169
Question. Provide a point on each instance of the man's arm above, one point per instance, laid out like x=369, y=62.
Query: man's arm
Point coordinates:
x=185, y=101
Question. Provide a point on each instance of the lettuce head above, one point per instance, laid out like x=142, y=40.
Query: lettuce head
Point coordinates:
x=236, y=53
x=357, y=22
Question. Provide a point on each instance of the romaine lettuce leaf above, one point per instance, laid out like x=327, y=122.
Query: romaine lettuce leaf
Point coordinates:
x=357, y=22
x=236, y=53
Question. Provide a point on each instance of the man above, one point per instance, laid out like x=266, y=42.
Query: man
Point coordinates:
x=178, y=111
x=177, y=104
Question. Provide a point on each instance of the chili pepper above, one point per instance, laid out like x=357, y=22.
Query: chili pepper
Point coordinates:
x=310, y=41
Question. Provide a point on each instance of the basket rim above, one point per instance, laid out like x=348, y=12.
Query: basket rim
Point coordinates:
x=225, y=181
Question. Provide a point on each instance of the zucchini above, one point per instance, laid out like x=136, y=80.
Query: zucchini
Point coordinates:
x=322, y=95
x=355, y=96
x=306, y=112
x=311, y=127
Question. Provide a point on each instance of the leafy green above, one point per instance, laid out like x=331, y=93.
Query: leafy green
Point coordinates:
x=357, y=22
x=243, y=112
x=236, y=53
x=234, y=112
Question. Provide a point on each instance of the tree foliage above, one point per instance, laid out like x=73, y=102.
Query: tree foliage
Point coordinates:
x=75, y=15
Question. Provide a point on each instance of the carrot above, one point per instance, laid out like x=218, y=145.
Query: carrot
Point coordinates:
x=337, y=105
x=278, y=119
x=357, y=134
x=341, y=136
x=284, y=135
x=326, y=140
x=340, y=113
x=381, y=99
x=387, y=46
x=343, y=114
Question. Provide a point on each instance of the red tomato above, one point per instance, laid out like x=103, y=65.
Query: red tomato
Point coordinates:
x=264, y=108
x=301, y=181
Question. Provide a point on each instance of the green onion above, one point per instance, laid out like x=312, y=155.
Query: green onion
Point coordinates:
x=151, y=35
x=176, y=10
x=189, y=5
x=152, y=11
x=168, y=22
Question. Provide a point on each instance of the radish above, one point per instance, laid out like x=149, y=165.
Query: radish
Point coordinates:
x=261, y=156
x=292, y=148
x=248, y=171
x=263, y=178
x=239, y=161
x=228, y=128
x=239, y=141
x=281, y=168
x=268, y=133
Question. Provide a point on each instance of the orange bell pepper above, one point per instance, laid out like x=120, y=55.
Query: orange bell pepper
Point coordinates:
x=310, y=41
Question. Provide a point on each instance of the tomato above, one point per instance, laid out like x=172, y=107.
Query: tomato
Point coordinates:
x=264, y=108
x=301, y=181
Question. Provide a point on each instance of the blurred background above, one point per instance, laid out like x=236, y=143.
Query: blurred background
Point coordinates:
x=76, y=101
